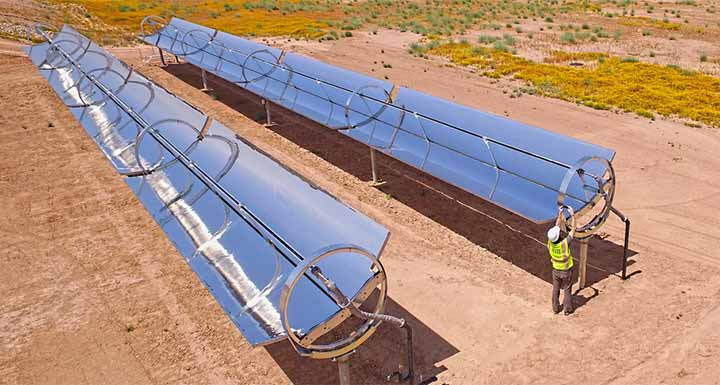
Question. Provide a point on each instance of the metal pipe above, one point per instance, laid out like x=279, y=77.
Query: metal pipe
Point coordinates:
x=268, y=118
x=344, y=302
x=162, y=57
x=344, y=369
x=627, y=240
x=409, y=358
x=204, y=81
x=583, y=262
x=131, y=174
x=373, y=166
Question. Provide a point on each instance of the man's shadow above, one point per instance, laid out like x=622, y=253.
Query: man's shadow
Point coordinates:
x=509, y=236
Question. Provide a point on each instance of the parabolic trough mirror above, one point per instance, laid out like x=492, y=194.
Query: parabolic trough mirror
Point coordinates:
x=238, y=217
x=524, y=169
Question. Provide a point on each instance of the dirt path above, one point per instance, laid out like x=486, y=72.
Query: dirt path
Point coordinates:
x=83, y=260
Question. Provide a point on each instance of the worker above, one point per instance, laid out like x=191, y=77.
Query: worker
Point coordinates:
x=562, y=262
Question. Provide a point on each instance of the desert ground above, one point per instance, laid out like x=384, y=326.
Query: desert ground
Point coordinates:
x=94, y=293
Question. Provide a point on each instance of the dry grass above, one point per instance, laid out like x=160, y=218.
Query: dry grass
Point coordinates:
x=329, y=18
x=646, y=22
x=625, y=84
x=237, y=17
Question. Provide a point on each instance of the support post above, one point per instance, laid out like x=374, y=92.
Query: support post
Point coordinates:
x=268, y=118
x=625, y=220
x=583, y=262
x=375, y=180
x=177, y=59
x=343, y=363
x=204, y=82
x=162, y=57
x=409, y=377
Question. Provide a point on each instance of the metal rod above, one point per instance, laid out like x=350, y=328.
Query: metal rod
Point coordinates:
x=344, y=369
x=204, y=81
x=344, y=302
x=162, y=57
x=132, y=174
x=583, y=262
x=177, y=59
x=268, y=117
x=373, y=166
x=409, y=358
x=627, y=240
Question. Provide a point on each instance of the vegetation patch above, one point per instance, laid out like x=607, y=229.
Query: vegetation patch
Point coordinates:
x=628, y=85
x=647, y=22
x=566, y=57
x=302, y=19
x=315, y=19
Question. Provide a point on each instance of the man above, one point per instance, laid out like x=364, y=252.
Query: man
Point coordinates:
x=562, y=261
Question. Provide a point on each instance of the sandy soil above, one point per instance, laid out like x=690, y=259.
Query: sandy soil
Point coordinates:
x=82, y=259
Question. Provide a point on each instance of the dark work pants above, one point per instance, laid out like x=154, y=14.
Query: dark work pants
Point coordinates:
x=562, y=279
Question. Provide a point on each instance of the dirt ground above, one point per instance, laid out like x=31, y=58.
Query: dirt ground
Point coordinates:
x=82, y=260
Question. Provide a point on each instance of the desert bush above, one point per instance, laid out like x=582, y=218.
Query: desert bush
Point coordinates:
x=568, y=38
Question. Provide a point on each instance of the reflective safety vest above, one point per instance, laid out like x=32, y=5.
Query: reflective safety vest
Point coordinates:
x=560, y=255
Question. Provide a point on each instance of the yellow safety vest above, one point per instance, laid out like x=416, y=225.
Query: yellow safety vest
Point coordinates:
x=560, y=255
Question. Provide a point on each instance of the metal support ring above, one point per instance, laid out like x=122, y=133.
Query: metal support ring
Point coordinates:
x=606, y=192
x=360, y=334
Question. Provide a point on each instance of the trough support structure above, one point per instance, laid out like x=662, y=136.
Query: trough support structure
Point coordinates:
x=583, y=262
x=204, y=82
x=268, y=117
x=376, y=182
x=162, y=57
x=625, y=220
x=343, y=363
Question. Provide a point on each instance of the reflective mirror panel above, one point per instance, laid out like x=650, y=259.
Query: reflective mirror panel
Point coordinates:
x=240, y=219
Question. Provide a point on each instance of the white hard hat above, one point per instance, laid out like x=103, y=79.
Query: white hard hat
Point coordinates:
x=553, y=234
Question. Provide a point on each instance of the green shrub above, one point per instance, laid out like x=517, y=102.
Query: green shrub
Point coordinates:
x=568, y=38
x=487, y=39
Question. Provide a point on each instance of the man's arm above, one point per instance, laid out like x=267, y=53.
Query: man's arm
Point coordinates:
x=560, y=218
x=572, y=222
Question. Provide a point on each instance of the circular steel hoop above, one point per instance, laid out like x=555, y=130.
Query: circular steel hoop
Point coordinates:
x=373, y=117
x=156, y=23
x=80, y=45
x=606, y=193
x=160, y=163
x=189, y=34
x=83, y=85
x=260, y=76
x=37, y=27
x=355, y=338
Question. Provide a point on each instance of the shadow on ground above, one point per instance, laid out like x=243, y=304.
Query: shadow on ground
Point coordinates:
x=375, y=359
x=515, y=239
